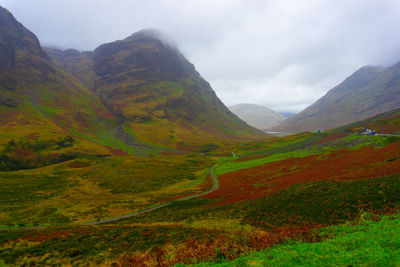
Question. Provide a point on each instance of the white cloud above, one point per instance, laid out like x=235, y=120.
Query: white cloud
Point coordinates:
x=284, y=54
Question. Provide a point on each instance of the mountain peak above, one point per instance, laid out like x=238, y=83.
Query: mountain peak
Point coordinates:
x=153, y=36
x=147, y=33
x=13, y=33
x=14, y=37
x=144, y=54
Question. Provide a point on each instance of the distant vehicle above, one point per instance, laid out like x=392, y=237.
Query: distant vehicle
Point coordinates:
x=368, y=132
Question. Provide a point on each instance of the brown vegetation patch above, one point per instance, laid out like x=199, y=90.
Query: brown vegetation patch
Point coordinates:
x=81, y=119
x=221, y=246
x=207, y=184
x=8, y=118
x=332, y=137
x=117, y=152
x=186, y=147
x=76, y=165
x=177, y=197
x=172, y=153
x=40, y=235
x=103, y=113
x=344, y=164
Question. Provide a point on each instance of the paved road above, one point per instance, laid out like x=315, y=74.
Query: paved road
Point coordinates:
x=388, y=134
x=214, y=187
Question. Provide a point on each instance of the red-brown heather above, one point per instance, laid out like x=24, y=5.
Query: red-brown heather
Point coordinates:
x=331, y=137
x=339, y=165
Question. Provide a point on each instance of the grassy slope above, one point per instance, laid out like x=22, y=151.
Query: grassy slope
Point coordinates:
x=294, y=146
x=366, y=243
x=159, y=98
x=388, y=123
x=61, y=106
x=367, y=92
x=294, y=198
x=182, y=231
x=177, y=114
x=93, y=188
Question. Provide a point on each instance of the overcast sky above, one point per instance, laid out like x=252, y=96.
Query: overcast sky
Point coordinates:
x=282, y=54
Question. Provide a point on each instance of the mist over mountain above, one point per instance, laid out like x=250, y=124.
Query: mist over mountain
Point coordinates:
x=238, y=50
x=20, y=53
x=258, y=116
x=367, y=92
x=40, y=101
x=140, y=91
x=287, y=114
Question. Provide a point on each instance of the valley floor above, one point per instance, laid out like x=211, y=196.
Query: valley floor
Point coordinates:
x=281, y=197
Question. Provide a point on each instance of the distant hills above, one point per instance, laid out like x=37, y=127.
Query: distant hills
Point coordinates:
x=367, y=92
x=140, y=92
x=258, y=116
x=287, y=114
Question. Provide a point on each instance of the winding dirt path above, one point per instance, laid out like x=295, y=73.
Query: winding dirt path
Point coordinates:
x=214, y=187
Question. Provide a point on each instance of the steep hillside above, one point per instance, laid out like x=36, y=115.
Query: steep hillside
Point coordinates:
x=155, y=93
x=79, y=64
x=258, y=116
x=384, y=123
x=132, y=95
x=367, y=92
x=41, y=103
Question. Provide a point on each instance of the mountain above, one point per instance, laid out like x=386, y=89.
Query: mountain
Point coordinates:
x=367, y=92
x=258, y=116
x=383, y=123
x=137, y=95
x=37, y=99
x=154, y=92
x=20, y=54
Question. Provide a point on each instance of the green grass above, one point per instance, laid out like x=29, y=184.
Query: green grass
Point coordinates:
x=285, y=148
x=92, y=188
x=297, y=146
x=234, y=166
x=21, y=190
x=324, y=202
x=357, y=141
x=172, y=88
x=368, y=243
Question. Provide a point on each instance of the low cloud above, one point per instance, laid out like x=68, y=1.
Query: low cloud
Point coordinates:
x=282, y=54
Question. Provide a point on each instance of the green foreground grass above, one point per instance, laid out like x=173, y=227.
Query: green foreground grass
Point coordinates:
x=367, y=243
